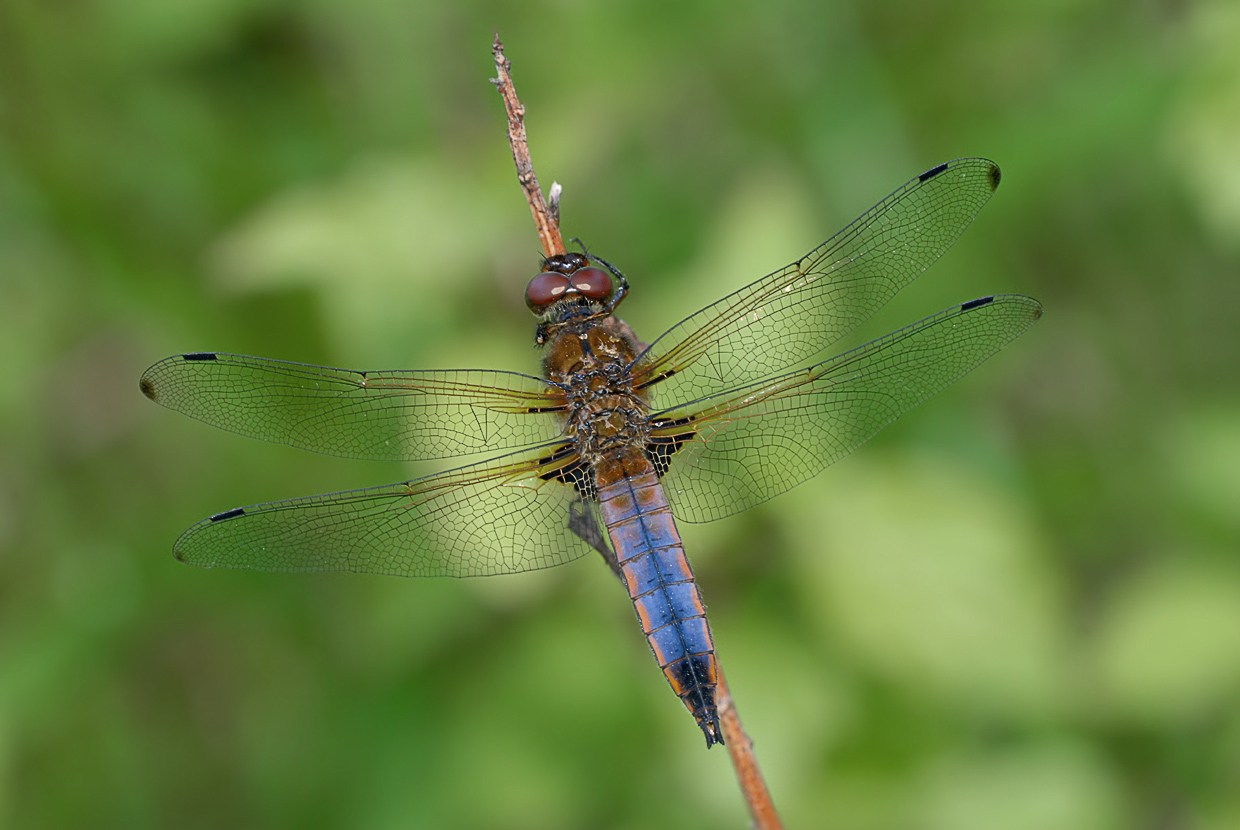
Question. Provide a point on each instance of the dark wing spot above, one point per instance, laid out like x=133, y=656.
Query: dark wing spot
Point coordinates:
x=579, y=475
x=657, y=378
x=561, y=452
x=664, y=423
x=932, y=172
x=228, y=514
x=147, y=388
x=995, y=176
x=978, y=303
x=199, y=356
x=661, y=448
x=576, y=472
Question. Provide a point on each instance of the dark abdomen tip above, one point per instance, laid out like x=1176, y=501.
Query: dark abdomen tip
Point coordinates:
x=713, y=731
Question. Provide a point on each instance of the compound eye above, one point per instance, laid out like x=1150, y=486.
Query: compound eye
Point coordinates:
x=544, y=290
x=592, y=282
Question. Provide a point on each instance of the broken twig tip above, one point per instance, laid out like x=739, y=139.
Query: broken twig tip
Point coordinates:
x=546, y=223
x=553, y=202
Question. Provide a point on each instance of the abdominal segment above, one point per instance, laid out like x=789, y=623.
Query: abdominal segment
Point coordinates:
x=660, y=582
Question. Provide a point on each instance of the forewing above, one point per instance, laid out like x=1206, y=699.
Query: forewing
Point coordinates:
x=500, y=516
x=390, y=416
x=743, y=447
x=793, y=314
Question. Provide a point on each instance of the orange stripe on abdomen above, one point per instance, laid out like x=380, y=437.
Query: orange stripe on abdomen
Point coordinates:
x=660, y=582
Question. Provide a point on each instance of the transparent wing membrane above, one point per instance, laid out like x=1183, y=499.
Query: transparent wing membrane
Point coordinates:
x=490, y=518
x=388, y=416
x=793, y=314
x=742, y=447
x=735, y=423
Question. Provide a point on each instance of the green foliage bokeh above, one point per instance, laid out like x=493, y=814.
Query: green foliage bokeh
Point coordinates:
x=1019, y=607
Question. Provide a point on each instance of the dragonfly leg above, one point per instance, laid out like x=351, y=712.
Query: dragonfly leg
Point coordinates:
x=582, y=523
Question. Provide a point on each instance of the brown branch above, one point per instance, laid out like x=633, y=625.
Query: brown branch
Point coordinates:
x=748, y=773
x=547, y=222
x=547, y=225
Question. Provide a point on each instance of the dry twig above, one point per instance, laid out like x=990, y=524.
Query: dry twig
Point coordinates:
x=546, y=220
x=748, y=774
x=548, y=227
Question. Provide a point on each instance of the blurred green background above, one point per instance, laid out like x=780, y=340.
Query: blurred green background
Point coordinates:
x=1017, y=608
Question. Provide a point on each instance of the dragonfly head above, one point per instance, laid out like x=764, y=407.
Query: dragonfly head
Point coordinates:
x=569, y=278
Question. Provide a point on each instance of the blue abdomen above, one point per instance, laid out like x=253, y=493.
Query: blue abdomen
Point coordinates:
x=660, y=582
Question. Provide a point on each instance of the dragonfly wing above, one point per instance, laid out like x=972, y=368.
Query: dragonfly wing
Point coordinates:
x=502, y=516
x=796, y=312
x=391, y=416
x=737, y=449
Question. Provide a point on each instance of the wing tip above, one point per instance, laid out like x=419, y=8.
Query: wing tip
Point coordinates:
x=1034, y=306
x=990, y=171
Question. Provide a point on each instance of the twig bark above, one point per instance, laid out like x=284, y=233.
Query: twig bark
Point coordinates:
x=748, y=774
x=547, y=222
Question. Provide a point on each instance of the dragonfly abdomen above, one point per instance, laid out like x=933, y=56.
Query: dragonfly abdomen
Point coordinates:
x=660, y=582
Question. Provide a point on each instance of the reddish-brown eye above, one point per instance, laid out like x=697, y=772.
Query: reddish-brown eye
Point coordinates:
x=545, y=289
x=592, y=282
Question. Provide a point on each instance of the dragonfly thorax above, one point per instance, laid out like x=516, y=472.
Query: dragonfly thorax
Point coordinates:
x=591, y=361
x=607, y=424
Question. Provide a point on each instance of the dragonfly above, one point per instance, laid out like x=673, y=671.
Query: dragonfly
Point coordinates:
x=617, y=440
